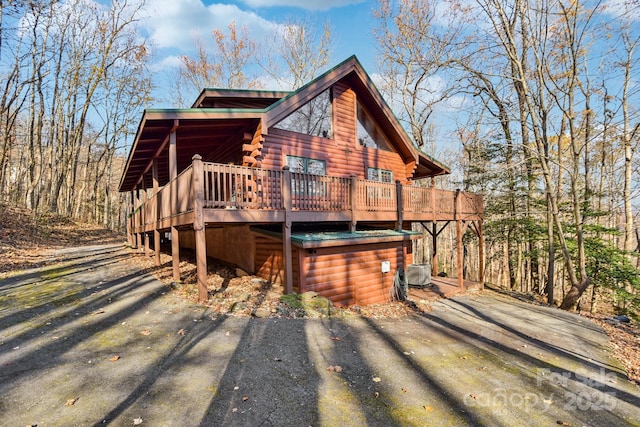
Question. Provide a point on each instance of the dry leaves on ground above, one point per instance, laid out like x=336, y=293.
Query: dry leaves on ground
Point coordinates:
x=625, y=342
x=27, y=238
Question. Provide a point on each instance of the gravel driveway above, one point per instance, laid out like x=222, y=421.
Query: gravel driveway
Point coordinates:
x=90, y=340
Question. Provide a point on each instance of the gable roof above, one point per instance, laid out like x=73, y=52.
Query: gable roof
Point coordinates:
x=351, y=70
x=220, y=117
x=237, y=98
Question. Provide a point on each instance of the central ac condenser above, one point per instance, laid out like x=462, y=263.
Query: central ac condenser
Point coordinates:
x=419, y=275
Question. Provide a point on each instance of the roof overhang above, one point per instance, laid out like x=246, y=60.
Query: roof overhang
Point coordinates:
x=208, y=132
x=237, y=98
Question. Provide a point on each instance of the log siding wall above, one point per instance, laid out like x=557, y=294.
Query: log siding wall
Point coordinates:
x=346, y=275
x=343, y=158
x=350, y=275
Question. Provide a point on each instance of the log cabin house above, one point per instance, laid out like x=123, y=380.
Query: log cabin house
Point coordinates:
x=312, y=188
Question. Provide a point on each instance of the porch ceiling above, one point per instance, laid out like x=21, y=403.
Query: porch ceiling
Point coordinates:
x=215, y=137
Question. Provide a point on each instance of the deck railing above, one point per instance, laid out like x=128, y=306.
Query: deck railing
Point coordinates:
x=238, y=187
x=230, y=186
x=376, y=196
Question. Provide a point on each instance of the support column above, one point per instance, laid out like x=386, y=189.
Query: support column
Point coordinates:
x=399, y=204
x=287, y=251
x=434, y=230
x=199, y=227
x=143, y=211
x=480, y=253
x=138, y=221
x=175, y=253
x=147, y=249
x=354, y=197
x=456, y=215
x=130, y=221
x=173, y=174
x=434, y=244
x=156, y=232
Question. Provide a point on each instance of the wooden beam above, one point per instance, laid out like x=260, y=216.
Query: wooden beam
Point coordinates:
x=155, y=156
x=199, y=227
x=460, y=255
x=354, y=196
x=434, y=244
x=156, y=232
x=147, y=249
x=399, y=204
x=175, y=234
x=252, y=147
x=287, y=251
x=480, y=253
x=175, y=253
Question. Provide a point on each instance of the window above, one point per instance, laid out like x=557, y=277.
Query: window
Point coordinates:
x=380, y=175
x=313, y=118
x=380, y=193
x=308, y=186
x=307, y=165
x=368, y=133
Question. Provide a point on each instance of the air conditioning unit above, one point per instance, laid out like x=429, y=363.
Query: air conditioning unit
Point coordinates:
x=419, y=275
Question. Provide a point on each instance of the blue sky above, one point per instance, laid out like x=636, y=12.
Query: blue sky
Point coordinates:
x=172, y=24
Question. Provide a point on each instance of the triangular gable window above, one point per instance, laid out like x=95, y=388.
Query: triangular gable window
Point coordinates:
x=313, y=118
x=368, y=133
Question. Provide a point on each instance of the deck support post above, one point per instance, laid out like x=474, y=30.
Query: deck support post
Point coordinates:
x=175, y=253
x=156, y=246
x=399, y=204
x=144, y=204
x=480, y=253
x=456, y=214
x=173, y=174
x=434, y=230
x=138, y=221
x=156, y=216
x=354, y=197
x=199, y=227
x=147, y=249
x=434, y=244
x=287, y=251
x=132, y=209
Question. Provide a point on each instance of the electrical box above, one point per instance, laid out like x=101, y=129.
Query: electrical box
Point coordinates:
x=386, y=266
x=419, y=275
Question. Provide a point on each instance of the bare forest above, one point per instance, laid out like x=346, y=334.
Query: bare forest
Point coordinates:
x=534, y=105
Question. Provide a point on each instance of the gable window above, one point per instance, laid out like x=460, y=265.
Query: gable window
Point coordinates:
x=380, y=175
x=313, y=118
x=368, y=133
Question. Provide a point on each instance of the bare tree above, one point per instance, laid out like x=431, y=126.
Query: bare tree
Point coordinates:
x=298, y=52
x=226, y=66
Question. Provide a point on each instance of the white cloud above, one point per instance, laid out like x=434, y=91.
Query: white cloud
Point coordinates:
x=302, y=4
x=175, y=23
x=622, y=9
x=167, y=63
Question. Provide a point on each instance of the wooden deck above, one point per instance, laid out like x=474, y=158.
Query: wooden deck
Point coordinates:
x=237, y=194
x=443, y=287
x=210, y=195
